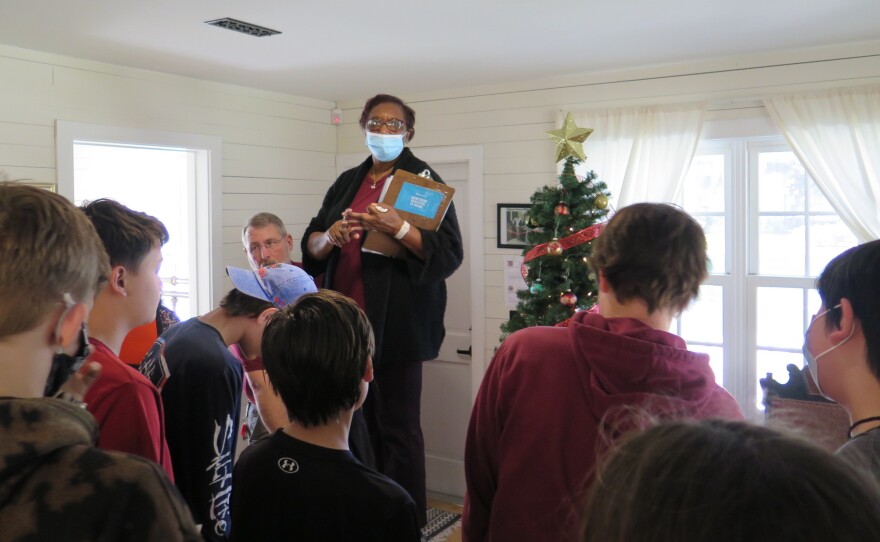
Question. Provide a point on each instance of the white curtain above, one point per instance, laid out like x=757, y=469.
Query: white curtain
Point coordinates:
x=642, y=154
x=836, y=136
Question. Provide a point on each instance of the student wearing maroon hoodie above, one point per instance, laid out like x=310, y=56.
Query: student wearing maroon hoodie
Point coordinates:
x=554, y=397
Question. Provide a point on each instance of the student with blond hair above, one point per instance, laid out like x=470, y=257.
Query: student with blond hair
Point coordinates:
x=55, y=484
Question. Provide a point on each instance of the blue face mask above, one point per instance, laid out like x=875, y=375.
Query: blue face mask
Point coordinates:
x=385, y=147
x=813, y=362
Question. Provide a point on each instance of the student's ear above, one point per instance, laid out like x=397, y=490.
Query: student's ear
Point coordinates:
x=264, y=316
x=71, y=324
x=368, y=372
x=848, y=319
x=118, y=276
x=604, y=287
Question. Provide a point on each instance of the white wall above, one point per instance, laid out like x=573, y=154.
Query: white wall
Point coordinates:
x=510, y=121
x=273, y=144
x=279, y=150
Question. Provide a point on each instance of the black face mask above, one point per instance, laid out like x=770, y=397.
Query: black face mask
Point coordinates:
x=64, y=365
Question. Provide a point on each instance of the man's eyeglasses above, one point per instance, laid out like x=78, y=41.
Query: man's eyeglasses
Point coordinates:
x=394, y=125
x=268, y=245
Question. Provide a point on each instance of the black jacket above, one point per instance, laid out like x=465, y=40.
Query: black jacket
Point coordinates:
x=406, y=299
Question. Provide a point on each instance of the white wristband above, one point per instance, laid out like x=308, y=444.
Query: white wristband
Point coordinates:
x=401, y=233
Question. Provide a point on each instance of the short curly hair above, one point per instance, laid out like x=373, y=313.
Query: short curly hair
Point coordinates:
x=655, y=252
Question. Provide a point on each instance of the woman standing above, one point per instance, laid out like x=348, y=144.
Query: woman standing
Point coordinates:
x=405, y=299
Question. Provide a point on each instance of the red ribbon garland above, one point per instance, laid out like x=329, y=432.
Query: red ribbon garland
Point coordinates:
x=573, y=240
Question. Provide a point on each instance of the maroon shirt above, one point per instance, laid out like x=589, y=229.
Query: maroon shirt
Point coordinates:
x=128, y=409
x=534, y=434
x=348, y=278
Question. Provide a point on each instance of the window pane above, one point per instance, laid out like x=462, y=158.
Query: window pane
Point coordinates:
x=813, y=304
x=780, y=317
x=818, y=202
x=713, y=226
x=829, y=236
x=703, y=321
x=704, y=185
x=774, y=363
x=781, y=182
x=716, y=359
x=153, y=181
x=781, y=245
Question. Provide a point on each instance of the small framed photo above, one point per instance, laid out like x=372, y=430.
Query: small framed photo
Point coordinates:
x=512, y=225
x=51, y=187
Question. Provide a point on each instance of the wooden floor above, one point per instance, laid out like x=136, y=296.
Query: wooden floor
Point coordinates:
x=449, y=507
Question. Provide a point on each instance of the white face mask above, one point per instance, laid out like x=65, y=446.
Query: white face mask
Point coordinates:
x=813, y=362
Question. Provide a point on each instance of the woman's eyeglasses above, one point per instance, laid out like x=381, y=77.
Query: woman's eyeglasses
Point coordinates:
x=394, y=125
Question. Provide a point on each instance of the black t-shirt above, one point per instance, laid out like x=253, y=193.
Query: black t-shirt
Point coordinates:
x=287, y=489
x=201, y=384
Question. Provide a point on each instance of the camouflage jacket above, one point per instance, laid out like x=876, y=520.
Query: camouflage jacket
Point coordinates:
x=55, y=485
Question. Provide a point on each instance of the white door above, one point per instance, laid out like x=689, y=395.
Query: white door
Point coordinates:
x=450, y=381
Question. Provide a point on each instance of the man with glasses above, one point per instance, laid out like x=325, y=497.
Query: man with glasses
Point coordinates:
x=266, y=241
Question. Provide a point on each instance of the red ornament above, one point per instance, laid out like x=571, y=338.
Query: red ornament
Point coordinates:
x=554, y=248
x=561, y=209
x=568, y=299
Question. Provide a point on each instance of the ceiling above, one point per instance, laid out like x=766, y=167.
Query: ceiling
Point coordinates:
x=345, y=49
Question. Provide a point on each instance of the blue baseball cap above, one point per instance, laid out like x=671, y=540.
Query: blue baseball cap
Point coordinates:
x=280, y=283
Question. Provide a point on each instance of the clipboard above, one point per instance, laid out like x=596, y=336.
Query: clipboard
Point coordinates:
x=418, y=199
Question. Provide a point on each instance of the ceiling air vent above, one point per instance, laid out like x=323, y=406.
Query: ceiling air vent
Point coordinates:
x=243, y=27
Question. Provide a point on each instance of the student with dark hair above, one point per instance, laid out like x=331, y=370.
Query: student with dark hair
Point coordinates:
x=303, y=483
x=201, y=383
x=550, y=393
x=127, y=406
x=727, y=481
x=55, y=484
x=842, y=347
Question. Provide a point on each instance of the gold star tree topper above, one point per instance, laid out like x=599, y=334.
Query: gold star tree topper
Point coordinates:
x=570, y=139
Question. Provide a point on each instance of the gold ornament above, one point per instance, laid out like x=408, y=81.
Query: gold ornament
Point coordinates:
x=570, y=139
x=601, y=201
x=554, y=248
x=568, y=299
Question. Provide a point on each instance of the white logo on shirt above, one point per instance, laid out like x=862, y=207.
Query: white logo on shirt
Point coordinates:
x=288, y=465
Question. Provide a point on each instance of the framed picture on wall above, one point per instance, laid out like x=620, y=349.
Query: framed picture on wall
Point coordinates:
x=51, y=187
x=512, y=226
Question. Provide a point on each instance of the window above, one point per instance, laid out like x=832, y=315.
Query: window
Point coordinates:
x=170, y=176
x=770, y=232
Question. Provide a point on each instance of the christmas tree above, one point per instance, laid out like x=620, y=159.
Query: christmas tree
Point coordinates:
x=563, y=220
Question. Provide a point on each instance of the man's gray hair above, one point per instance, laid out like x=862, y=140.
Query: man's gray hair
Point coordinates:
x=261, y=220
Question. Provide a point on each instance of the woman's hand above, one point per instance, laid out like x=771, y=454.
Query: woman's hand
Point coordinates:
x=343, y=231
x=379, y=217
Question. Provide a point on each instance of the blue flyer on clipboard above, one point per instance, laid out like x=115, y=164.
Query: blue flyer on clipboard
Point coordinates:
x=418, y=200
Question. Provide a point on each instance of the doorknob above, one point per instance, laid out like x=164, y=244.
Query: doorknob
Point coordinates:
x=465, y=352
